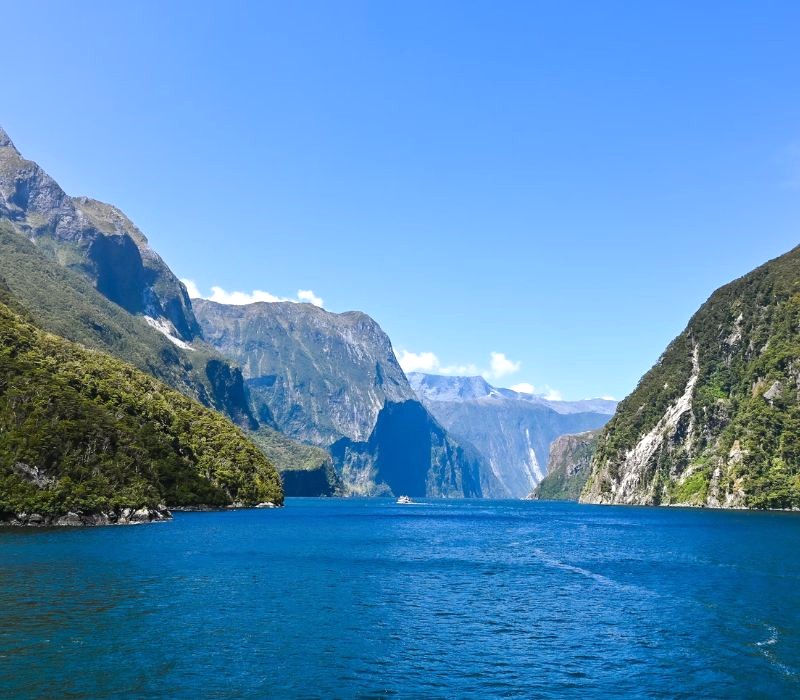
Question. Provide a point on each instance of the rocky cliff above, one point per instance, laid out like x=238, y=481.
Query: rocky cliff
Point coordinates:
x=317, y=376
x=96, y=239
x=716, y=422
x=333, y=380
x=83, y=271
x=569, y=465
x=511, y=431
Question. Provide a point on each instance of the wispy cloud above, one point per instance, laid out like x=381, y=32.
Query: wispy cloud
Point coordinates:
x=546, y=392
x=191, y=287
x=499, y=365
x=222, y=296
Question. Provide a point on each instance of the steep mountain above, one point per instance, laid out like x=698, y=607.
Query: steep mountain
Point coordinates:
x=64, y=302
x=512, y=431
x=716, y=422
x=568, y=467
x=132, y=307
x=333, y=380
x=95, y=239
x=86, y=438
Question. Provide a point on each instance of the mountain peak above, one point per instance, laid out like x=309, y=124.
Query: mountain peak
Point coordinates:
x=437, y=387
x=6, y=142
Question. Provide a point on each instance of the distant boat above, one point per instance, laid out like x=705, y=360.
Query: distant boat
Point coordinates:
x=405, y=501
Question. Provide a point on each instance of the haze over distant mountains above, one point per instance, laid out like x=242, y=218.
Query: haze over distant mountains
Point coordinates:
x=512, y=431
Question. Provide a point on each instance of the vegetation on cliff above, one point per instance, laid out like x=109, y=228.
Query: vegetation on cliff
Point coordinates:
x=82, y=431
x=568, y=467
x=735, y=439
x=305, y=470
x=63, y=301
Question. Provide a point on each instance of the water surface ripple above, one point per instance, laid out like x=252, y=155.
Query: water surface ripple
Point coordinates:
x=359, y=598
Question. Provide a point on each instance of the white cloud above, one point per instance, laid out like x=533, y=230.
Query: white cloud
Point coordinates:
x=191, y=287
x=418, y=361
x=608, y=398
x=523, y=388
x=499, y=365
x=308, y=296
x=547, y=392
x=222, y=296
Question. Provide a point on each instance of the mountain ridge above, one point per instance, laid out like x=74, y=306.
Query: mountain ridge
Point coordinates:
x=334, y=381
x=716, y=421
x=512, y=431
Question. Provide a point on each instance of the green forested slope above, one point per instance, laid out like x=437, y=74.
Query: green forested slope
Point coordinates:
x=717, y=420
x=82, y=431
x=64, y=302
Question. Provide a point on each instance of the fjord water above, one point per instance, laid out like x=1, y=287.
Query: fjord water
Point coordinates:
x=349, y=598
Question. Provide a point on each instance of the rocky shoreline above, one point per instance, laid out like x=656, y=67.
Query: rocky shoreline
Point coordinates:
x=121, y=516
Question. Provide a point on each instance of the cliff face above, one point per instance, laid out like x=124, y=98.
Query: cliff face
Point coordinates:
x=408, y=453
x=315, y=375
x=333, y=380
x=716, y=422
x=568, y=467
x=511, y=431
x=96, y=239
x=83, y=271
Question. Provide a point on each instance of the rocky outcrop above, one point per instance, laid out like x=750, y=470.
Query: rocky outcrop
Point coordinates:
x=716, y=422
x=568, y=467
x=94, y=238
x=408, y=453
x=511, y=431
x=121, y=516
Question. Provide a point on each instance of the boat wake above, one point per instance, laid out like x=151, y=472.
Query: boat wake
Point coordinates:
x=766, y=647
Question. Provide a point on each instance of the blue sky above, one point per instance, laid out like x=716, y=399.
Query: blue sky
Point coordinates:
x=560, y=184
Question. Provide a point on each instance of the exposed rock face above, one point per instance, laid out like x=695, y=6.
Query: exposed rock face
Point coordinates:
x=122, y=516
x=95, y=238
x=333, y=380
x=408, y=453
x=568, y=467
x=317, y=376
x=511, y=431
x=716, y=422
x=83, y=271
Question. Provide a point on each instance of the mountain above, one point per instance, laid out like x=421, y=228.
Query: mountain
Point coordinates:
x=512, y=431
x=129, y=305
x=716, y=422
x=96, y=239
x=568, y=467
x=86, y=438
x=333, y=380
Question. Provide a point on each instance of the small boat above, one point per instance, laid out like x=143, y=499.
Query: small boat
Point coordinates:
x=405, y=501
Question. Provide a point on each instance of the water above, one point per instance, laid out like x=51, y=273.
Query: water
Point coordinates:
x=331, y=598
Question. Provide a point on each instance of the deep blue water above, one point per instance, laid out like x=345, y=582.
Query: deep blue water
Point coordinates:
x=349, y=598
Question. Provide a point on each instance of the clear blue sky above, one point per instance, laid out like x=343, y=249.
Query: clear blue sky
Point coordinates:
x=563, y=183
